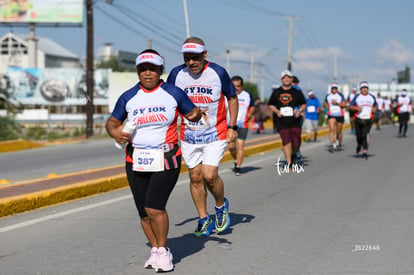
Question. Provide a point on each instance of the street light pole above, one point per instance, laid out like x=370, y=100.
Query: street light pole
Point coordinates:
x=89, y=70
x=187, y=21
x=228, y=61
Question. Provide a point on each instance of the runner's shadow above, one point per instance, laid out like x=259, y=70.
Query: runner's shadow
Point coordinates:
x=188, y=244
x=247, y=169
x=359, y=156
x=334, y=151
x=306, y=161
x=234, y=218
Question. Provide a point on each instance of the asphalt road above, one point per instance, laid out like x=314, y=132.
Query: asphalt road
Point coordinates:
x=341, y=215
x=37, y=163
x=59, y=159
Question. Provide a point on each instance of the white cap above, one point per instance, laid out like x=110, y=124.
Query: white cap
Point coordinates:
x=192, y=47
x=310, y=92
x=363, y=84
x=334, y=86
x=149, y=57
x=286, y=73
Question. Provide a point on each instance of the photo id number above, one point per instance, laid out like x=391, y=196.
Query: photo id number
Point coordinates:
x=366, y=247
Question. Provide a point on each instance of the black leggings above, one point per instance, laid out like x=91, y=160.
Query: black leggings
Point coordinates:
x=362, y=128
x=403, y=121
x=152, y=189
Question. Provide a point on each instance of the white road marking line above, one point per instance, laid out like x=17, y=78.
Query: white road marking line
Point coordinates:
x=110, y=201
x=62, y=214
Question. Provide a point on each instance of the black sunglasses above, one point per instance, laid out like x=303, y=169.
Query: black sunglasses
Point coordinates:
x=194, y=57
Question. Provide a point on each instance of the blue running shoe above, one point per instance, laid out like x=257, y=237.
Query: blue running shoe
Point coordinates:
x=223, y=217
x=204, y=227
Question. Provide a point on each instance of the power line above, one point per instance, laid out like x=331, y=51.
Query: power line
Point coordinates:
x=241, y=4
x=134, y=30
x=157, y=30
x=318, y=48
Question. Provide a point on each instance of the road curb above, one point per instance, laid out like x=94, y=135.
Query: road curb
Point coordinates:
x=22, y=203
x=18, y=145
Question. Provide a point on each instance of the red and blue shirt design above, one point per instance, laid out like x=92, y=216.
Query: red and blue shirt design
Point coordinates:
x=206, y=90
x=245, y=103
x=367, y=103
x=154, y=112
x=404, y=104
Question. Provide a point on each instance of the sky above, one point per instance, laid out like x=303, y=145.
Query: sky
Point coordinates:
x=367, y=39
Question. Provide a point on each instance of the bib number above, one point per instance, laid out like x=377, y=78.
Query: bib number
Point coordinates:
x=311, y=109
x=365, y=113
x=197, y=125
x=148, y=160
x=286, y=111
x=335, y=109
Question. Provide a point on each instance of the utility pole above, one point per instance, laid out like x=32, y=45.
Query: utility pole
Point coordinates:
x=89, y=69
x=149, y=43
x=251, y=68
x=228, y=61
x=187, y=21
x=335, y=72
x=32, y=46
x=289, y=49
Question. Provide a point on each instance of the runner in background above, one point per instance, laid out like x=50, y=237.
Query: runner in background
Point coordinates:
x=352, y=113
x=312, y=116
x=288, y=104
x=295, y=84
x=404, y=108
x=364, y=105
x=379, y=114
x=387, y=110
x=246, y=109
x=335, y=103
x=203, y=143
x=260, y=115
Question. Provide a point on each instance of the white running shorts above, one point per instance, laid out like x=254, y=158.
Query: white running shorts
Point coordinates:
x=209, y=154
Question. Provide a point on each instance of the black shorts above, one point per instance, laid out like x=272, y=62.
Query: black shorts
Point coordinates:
x=152, y=189
x=242, y=133
x=339, y=119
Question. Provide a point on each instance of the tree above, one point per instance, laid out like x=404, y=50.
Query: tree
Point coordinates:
x=252, y=88
x=113, y=64
x=8, y=127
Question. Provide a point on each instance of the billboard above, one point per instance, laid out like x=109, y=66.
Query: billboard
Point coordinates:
x=56, y=86
x=41, y=11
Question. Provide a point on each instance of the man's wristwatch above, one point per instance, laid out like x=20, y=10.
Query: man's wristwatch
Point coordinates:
x=234, y=127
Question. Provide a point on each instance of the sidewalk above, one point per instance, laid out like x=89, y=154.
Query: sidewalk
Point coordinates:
x=26, y=196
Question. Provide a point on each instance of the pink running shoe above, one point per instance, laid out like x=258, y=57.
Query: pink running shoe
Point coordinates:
x=164, y=260
x=153, y=259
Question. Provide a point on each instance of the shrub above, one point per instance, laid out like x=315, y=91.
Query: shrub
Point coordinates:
x=36, y=133
x=9, y=129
